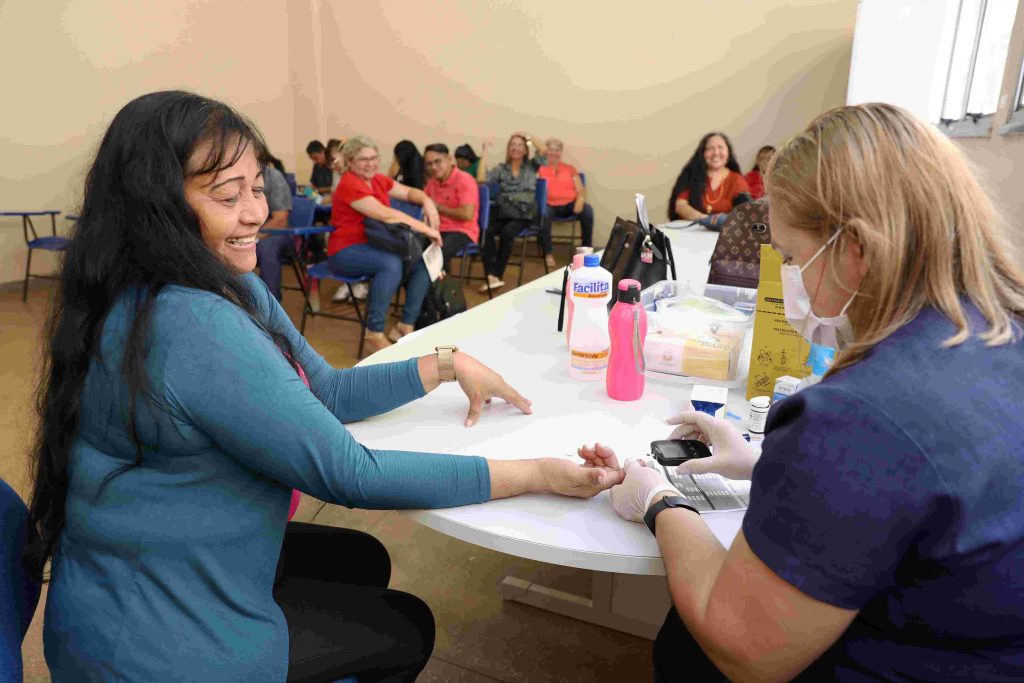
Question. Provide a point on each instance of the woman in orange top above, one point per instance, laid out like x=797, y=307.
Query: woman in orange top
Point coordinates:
x=710, y=184
x=754, y=180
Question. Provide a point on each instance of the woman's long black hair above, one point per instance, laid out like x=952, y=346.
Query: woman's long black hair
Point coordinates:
x=136, y=234
x=694, y=175
x=412, y=171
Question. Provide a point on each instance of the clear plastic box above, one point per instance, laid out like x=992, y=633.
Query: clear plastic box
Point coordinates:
x=703, y=344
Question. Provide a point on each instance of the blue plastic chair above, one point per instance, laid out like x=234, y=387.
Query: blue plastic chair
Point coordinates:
x=322, y=271
x=18, y=594
x=541, y=196
x=290, y=179
x=301, y=215
x=33, y=241
x=301, y=228
x=574, y=223
x=471, y=251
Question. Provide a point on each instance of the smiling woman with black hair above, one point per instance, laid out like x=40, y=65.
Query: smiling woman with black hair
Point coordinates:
x=179, y=408
x=710, y=184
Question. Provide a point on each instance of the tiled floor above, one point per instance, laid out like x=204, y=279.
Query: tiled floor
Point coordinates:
x=480, y=638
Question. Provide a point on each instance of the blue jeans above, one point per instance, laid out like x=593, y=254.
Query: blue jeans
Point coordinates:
x=272, y=251
x=386, y=271
x=585, y=217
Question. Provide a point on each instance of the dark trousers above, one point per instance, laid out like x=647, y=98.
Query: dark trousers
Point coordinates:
x=451, y=243
x=498, y=241
x=678, y=657
x=585, y=217
x=342, y=620
x=272, y=252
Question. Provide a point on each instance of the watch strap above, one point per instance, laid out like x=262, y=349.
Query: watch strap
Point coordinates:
x=446, y=362
x=664, y=504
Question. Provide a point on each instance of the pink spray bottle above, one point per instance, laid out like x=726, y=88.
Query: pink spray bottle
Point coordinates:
x=627, y=327
x=577, y=263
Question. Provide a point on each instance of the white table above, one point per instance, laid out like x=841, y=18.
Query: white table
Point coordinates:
x=516, y=334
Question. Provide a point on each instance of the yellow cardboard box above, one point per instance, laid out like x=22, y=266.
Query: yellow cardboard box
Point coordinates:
x=777, y=348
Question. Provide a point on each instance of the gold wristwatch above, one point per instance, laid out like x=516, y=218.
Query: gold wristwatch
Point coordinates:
x=446, y=362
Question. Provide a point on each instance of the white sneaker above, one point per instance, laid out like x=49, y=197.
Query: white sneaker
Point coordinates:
x=492, y=283
x=340, y=295
x=361, y=290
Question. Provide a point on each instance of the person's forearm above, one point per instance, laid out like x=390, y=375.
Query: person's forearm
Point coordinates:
x=396, y=216
x=429, y=373
x=461, y=213
x=686, y=211
x=693, y=559
x=514, y=477
x=481, y=170
x=417, y=196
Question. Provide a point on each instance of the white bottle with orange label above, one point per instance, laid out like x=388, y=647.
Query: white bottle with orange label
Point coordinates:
x=589, y=344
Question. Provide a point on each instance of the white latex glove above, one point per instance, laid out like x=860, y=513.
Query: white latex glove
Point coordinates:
x=731, y=455
x=644, y=480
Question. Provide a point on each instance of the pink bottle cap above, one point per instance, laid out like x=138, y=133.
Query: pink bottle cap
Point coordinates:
x=624, y=285
x=577, y=261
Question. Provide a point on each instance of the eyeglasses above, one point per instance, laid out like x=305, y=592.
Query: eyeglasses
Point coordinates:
x=367, y=160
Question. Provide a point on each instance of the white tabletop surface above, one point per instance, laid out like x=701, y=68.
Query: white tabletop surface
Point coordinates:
x=516, y=335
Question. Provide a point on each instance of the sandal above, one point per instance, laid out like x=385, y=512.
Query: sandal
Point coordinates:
x=374, y=342
x=399, y=331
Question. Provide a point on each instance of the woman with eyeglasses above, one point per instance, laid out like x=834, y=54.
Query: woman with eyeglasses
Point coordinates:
x=363, y=192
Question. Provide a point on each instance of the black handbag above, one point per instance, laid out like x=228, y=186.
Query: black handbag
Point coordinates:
x=636, y=253
x=632, y=253
x=394, y=238
x=521, y=206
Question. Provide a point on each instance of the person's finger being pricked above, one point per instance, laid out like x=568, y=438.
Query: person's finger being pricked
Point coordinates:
x=607, y=455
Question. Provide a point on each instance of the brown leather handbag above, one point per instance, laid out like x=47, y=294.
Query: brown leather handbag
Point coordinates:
x=736, y=260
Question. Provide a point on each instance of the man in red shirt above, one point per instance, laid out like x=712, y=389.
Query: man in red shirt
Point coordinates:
x=457, y=197
x=566, y=196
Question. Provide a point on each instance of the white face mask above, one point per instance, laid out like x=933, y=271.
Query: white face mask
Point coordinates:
x=836, y=332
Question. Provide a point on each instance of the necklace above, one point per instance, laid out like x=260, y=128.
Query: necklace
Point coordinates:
x=708, y=199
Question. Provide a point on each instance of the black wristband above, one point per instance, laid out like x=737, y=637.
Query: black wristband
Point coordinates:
x=664, y=504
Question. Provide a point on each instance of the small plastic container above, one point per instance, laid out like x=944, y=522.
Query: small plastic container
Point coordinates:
x=759, y=406
x=699, y=332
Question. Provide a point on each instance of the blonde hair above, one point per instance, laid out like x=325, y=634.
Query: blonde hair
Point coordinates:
x=351, y=148
x=930, y=234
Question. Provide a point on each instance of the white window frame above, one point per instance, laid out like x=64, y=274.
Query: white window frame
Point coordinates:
x=971, y=125
x=1015, y=121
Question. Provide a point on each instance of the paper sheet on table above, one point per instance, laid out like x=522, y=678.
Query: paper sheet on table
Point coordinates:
x=434, y=260
x=641, y=211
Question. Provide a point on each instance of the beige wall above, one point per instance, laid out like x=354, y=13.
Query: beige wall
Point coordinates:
x=81, y=60
x=1000, y=158
x=630, y=89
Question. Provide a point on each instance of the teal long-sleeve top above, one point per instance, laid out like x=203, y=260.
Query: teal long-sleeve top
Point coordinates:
x=167, y=573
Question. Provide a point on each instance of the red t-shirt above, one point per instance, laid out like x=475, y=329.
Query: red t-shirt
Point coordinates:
x=458, y=190
x=756, y=184
x=720, y=200
x=561, y=189
x=347, y=222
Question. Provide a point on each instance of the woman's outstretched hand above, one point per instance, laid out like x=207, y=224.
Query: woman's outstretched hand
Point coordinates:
x=481, y=384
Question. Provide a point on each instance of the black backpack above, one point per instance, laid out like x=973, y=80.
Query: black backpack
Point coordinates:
x=443, y=300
